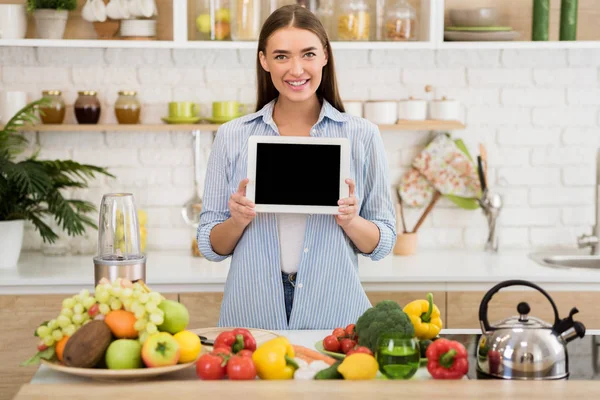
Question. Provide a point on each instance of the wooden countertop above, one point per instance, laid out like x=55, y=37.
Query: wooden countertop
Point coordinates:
x=278, y=390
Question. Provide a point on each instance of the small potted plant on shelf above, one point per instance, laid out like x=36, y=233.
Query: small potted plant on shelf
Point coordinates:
x=51, y=16
x=34, y=190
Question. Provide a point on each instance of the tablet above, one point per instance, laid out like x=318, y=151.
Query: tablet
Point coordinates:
x=297, y=174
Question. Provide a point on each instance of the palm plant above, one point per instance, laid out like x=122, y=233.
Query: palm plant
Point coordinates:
x=32, y=189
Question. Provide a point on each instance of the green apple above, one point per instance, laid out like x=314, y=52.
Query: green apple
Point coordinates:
x=203, y=23
x=124, y=354
x=160, y=350
x=176, y=317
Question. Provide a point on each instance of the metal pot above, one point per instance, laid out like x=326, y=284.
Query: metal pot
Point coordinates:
x=524, y=347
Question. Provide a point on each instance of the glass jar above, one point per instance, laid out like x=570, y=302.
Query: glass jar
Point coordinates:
x=400, y=22
x=245, y=19
x=354, y=20
x=312, y=5
x=87, y=107
x=325, y=13
x=54, y=111
x=398, y=356
x=202, y=20
x=220, y=20
x=127, y=107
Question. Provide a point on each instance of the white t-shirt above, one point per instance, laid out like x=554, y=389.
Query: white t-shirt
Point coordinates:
x=291, y=238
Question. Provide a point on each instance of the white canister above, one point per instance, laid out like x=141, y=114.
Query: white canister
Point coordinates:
x=412, y=110
x=13, y=21
x=445, y=109
x=354, y=108
x=10, y=103
x=381, y=112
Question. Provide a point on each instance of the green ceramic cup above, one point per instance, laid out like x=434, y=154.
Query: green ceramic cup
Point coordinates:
x=183, y=109
x=226, y=109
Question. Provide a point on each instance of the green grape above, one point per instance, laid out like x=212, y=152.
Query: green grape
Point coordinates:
x=67, y=312
x=151, y=307
x=104, y=308
x=86, y=317
x=77, y=319
x=77, y=298
x=84, y=294
x=87, y=321
x=139, y=325
x=89, y=302
x=156, y=319
x=103, y=297
x=57, y=335
x=63, y=321
x=52, y=324
x=116, y=291
x=136, y=305
x=78, y=308
x=139, y=313
x=107, y=287
x=68, y=303
x=136, y=293
x=144, y=298
x=127, y=293
x=48, y=340
x=116, y=304
x=127, y=304
x=43, y=331
x=69, y=330
x=155, y=297
x=143, y=337
x=151, y=328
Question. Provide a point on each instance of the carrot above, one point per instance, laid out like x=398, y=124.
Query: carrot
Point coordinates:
x=312, y=354
x=305, y=358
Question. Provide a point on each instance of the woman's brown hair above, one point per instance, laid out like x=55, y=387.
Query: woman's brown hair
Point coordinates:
x=301, y=18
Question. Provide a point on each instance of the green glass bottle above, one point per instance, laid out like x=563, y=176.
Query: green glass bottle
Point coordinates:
x=541, y=20
x=568, y=20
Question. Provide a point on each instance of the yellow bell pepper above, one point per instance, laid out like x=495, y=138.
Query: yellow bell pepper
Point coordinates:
x=275, y=359
x=425, y=317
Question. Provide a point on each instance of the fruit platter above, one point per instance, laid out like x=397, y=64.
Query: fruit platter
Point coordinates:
x=122, y=331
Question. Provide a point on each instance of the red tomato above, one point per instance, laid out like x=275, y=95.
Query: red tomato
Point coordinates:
x=209, y=367
x=339, y=332
x=331, y=343
x=221, y=351
x=350, y=330
x=346, y=345
x=360, y=349
x=241, y=368
x=245, y=353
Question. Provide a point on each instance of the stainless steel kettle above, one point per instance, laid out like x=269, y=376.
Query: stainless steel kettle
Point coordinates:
x=524, y=347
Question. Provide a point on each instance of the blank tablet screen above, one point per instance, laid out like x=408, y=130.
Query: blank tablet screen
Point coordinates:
x=298, y=174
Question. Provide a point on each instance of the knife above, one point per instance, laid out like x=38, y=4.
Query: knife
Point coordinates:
x=204, y=340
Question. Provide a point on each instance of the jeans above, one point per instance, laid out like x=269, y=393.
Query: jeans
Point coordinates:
x=289, y=283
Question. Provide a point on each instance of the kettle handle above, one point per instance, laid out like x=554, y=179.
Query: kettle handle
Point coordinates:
x=483, y=308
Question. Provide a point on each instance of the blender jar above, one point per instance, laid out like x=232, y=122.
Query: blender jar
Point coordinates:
x=119, y=252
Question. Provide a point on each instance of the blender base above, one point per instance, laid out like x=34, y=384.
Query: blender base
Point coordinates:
x=134, y=270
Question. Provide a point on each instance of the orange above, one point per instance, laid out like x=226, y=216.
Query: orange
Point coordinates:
x=121, y=323
x=60, y=347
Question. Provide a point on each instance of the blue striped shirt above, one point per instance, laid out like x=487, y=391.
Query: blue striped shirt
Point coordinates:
x=328, y=289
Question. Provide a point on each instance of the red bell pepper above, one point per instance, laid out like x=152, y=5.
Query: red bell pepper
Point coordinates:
x=236, y=340
x=447, y=359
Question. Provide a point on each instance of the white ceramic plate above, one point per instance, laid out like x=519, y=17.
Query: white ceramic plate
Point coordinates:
x=480, y=36
x=260, y=335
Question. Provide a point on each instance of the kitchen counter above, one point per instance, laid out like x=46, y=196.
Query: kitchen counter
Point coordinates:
x=177, y=271
x=48, y=384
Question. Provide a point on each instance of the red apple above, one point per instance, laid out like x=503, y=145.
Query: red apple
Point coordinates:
x=160, y=350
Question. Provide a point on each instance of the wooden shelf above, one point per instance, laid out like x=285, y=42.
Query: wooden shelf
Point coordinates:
x=401, y=126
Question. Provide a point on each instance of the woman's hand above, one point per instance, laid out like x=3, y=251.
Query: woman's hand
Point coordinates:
x=348, y=207
x=241, y=209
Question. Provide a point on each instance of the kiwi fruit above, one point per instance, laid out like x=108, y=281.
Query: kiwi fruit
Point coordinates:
x=86, y=348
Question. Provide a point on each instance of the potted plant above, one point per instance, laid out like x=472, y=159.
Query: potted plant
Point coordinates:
x=51, y=16
x=32, y=190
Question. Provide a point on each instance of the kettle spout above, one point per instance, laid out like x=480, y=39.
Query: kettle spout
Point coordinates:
x=576, y=331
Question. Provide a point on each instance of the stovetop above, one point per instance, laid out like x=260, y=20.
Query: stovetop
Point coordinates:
x=584, y=363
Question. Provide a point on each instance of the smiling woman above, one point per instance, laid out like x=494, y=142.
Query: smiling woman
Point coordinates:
x=295, y=271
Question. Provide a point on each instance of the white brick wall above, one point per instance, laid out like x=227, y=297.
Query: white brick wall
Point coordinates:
x=536, y=111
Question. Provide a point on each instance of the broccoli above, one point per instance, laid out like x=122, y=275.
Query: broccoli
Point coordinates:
x=386, y=316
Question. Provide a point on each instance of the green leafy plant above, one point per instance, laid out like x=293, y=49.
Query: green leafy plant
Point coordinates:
x=32, y=189
x=68, y=5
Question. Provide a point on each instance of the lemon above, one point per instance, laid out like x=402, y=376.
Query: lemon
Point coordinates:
x=358, y=366
x=189, y=346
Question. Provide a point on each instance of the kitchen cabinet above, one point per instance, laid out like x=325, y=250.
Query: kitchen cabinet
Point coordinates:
x=20, y=316
x=463, y=307
x=204, y=308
